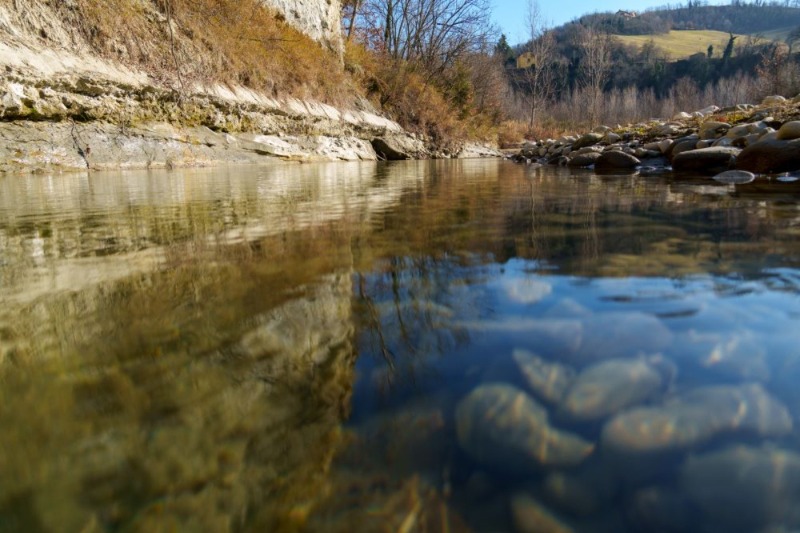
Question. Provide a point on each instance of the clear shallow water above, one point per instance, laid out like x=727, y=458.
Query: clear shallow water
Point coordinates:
x=422, y=346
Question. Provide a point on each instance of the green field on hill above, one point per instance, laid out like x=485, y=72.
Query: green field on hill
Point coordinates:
x=684, y=43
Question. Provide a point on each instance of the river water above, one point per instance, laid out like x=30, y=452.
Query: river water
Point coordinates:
x=415, y=346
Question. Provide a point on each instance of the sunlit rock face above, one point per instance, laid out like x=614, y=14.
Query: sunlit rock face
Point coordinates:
x=319, y=19
x=502, y=426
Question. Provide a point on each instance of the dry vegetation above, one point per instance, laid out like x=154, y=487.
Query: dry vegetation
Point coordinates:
x=235, y=42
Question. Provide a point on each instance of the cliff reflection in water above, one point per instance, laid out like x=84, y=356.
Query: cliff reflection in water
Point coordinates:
x=286, y=348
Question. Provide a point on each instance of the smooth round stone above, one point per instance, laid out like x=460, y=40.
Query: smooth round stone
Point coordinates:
x=583, y=492
x=710, y=160
x=530, y=516
x=696, y=417
x=584, y=160
x=548, y=380
x=660, y=509
x=500, y=425
x=770, y=155
x=735, y=177
x=773, y=100
x=616, y=159
x=745, y=489
x=609, y=387
x=680, y=147
x=588, y=139
x=619, y=334
x=789, y=131
x=712, y=129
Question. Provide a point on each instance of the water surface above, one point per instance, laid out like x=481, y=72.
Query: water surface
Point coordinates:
x=411, y=346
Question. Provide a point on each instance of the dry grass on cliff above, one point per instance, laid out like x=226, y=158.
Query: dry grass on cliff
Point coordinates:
x=211, y=41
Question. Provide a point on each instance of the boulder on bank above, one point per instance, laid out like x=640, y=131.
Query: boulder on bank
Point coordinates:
x=709, y=160
x=713, y=129
x=397, y=147
x=584, y=160
x=587, y=140
x=614, y=159
x=770, y=155
x=500, y=425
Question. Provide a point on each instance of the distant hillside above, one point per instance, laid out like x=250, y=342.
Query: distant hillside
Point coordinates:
x=738, y=17
x=680, y=44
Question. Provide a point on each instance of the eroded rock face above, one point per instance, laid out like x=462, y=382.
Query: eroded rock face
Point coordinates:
x=319, y=19
x=695, y=418
x=500, y=425
x=745, y=489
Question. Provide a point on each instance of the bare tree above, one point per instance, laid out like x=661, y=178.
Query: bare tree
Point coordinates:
x=595, y=44
x=539, y=75
x=431, y=33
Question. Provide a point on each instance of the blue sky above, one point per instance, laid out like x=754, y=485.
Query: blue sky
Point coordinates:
x=510, y=15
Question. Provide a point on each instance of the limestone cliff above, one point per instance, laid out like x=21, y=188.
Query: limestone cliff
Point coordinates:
x=77, y=94
x=319, y=19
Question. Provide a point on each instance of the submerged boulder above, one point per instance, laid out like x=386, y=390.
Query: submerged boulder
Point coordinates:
x=735, y=177
x=530, y=516
x=500, y=425
x=619, y=334
x=608, y=387
x=548, y=380
x=743, y=488
x=695, y=418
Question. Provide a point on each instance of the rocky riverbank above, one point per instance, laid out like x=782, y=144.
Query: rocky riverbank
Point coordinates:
x=84, y=121
x=734, y=144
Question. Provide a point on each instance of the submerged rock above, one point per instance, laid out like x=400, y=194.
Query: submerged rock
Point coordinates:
x=530, y=516
x=500, y=425
x=660, y=509
x=735, y=177
x=743, y=488
x=606, y=388
x=549, y=381
x=616, y=335
x=583, y=492
x=695, y=418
